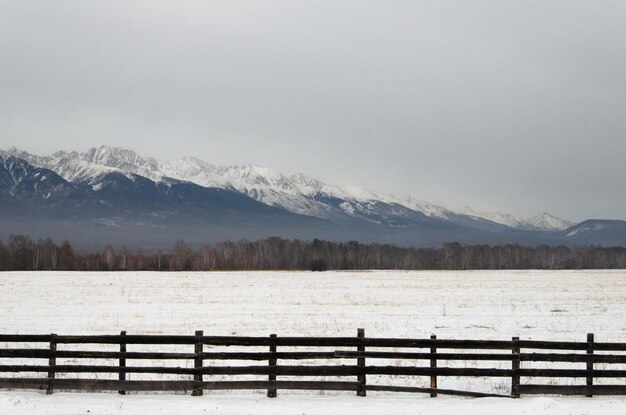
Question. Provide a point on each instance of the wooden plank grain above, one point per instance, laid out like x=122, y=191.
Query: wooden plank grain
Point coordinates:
x=433, y=364
x=589, y=380
x=572, y=373
x=122, y=363
x=198, y=362
x=438, y=371
x=515, y=366
x=52, y=361
x=572, y=357
x=177, y=385
x=412, y=389
x=361, y=378
x=272, y=361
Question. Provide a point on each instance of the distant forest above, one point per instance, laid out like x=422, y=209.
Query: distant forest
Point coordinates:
x=20, y=252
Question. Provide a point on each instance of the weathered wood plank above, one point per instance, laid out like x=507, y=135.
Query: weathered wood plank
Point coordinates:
x=361, y=378
x=97, y=385
x=52, y=361
x=552, y=345
x=25, y=338
x=589, y=363
x=24, y=383
x=272, y=361
x=197, y=363
x=412, y=389
x=527, y=357
x=153, y=386
x=265, y=356
x=440, y=344
x=338, y=370
x=515, y=366
x=312, y=341
x=438, y=371
x=26, y=353
x=424, y=356
x=572, y=357
x=76, y=354
x=128, y=339
x=338, y=354
x=122, y=363
x=433, y=364
x=610, y=347
x=281, y=384
x=96, y=369
x=572, y=373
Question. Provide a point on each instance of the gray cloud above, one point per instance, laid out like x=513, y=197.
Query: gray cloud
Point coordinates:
x=504, y=105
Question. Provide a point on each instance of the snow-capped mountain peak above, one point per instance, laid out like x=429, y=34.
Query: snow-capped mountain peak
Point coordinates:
x=194, y=170
x=497, y=217
x=71, y=166
x=427, y=208
x=122, y=159
x=545, y=221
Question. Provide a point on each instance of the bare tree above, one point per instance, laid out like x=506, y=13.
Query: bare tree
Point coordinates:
x=181, y=256
x=67, y=257
x=108, y=256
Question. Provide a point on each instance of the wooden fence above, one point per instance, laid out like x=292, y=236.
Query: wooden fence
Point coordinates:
x=354, y=360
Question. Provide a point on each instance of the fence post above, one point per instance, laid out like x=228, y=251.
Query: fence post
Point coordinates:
x=197, y=364
x=360, y=361
x=122, y=362
x=589, y=365
x=271, y=392
x=433, y=365
x=515, y=378
x=52, y=361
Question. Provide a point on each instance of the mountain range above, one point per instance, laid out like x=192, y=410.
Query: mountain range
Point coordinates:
x=114, y=195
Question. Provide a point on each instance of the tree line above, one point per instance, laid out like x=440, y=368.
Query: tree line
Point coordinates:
x=19, y=252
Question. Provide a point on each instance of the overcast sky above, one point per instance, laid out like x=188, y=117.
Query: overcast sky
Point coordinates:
x=516, y=106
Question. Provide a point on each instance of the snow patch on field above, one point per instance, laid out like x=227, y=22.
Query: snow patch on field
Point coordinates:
x=467, y=304
x=28, y=403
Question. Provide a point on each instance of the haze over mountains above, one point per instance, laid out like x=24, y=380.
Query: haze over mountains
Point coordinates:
x=115, y=195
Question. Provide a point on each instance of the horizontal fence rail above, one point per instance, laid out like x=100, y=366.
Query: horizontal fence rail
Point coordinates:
x=350, y=362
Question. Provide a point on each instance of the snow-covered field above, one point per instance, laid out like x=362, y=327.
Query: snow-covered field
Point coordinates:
x=475, y=305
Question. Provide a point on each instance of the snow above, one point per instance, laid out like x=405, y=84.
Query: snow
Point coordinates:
x=546, y=221
x=71, y=166
x=427, y=208
x=125, y=160
x=497, y=217
x=28, y=403
x=586, y=226
x=542, y=305
x=473, y=304
x=542, y=222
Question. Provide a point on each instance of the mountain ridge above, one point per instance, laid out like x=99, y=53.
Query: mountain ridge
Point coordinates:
x=294, y=192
